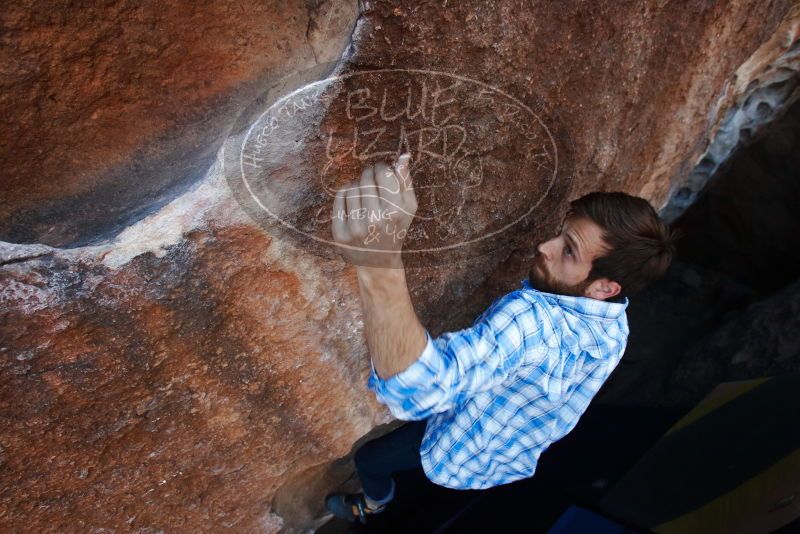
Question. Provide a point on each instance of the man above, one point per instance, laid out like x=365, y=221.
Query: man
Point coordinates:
x=486, y=401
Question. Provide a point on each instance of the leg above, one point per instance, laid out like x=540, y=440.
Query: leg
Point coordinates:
x=376, y=460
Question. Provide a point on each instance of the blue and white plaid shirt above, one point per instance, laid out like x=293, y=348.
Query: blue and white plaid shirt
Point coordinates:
x=497, y=394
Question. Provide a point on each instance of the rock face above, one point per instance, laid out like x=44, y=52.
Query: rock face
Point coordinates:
x=762, y=88
x=756, y=245
x=202, y=369
x=111, y=110
x=182, y=390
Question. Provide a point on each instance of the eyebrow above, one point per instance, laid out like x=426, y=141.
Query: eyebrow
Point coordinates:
x=574, y=245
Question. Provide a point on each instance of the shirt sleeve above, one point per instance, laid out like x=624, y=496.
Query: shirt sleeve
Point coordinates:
x=458, y=365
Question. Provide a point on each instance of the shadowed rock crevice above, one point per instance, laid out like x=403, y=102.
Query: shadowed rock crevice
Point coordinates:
x=728, y=308
x=749, y=211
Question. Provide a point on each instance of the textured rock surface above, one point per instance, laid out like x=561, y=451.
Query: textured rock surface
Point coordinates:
x=197, y=372
x=762, y=88
x=181, y=389
x=111, y=109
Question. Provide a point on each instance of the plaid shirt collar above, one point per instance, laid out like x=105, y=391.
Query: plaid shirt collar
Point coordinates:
x=592, y=308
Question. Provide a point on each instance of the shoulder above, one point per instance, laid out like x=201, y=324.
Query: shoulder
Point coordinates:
x=582, y=324
x=514, y=304
x=521, y=312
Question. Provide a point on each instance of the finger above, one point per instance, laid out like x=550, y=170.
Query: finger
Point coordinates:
x=340, y=232
x=402, y=168
x=355, y=223
x=388, y=186
x=369, y=196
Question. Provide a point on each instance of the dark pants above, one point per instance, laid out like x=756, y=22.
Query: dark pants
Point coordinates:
x=379, y=458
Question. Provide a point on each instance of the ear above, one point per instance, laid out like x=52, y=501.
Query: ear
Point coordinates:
x=602, y=289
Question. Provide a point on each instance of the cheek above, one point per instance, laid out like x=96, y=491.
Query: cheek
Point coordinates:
x=571, y=273
x=579, y=273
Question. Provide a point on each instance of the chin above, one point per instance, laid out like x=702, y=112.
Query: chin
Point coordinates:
x=557, y=288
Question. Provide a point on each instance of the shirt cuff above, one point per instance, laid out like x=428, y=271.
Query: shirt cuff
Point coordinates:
x=418, y=376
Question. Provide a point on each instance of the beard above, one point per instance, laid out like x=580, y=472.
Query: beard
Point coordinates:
x=542, y=280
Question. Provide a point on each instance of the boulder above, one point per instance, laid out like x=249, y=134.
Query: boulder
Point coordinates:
x=181, y=351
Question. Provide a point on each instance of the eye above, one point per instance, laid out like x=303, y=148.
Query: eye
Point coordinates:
x=568, y=251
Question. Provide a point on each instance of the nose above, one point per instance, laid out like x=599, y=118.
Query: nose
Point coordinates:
x=542, y=248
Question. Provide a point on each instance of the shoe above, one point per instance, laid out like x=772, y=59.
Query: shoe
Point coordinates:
x=351, y=506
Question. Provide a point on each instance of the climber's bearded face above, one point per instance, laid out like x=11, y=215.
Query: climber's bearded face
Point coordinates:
x=562, y=264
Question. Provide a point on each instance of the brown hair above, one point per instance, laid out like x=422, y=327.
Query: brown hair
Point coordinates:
x=641, y=245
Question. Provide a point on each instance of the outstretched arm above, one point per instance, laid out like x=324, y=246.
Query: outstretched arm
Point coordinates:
x=371, y=220
x=413, y=375
x=394, y=333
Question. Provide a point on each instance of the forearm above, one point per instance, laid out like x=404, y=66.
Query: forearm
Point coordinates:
x=395, y=336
